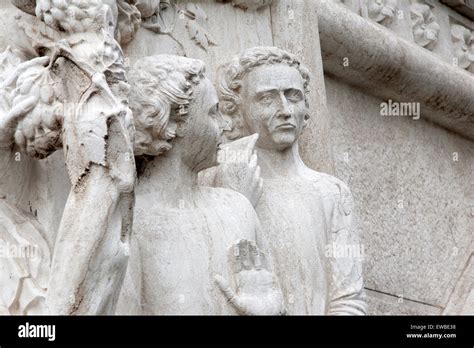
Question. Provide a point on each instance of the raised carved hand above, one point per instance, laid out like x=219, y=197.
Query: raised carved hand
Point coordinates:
x=257, y=291
x=238, y=169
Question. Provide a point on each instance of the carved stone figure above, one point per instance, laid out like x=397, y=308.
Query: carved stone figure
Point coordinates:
x=192, y=245
x=462, y=41
x=305, y=215
x=80, y=103
x=425, y=27
x=382, y=11
x=25, y=252
x=77, y=16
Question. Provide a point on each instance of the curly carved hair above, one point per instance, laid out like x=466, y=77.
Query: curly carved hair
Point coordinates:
x=160, y=93
x=232, y=75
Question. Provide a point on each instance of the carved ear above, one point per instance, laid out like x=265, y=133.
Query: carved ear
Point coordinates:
x=180, y=128
x=235, y=126
x=306, y=120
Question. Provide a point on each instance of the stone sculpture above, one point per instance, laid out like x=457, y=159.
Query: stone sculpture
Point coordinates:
x=192, y=245
x=425, y=27
x=25, y=253
x=305, y=215
x=463, y=41
x=382, y=11
x=78, y=98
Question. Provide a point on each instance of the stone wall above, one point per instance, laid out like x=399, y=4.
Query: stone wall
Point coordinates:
x=413, y=187
x=412, y=177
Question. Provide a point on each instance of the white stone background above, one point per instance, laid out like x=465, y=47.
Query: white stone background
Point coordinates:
x=415, y=204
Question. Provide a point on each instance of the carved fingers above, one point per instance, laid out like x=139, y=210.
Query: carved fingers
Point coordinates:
x=239, y=170
x=229, y=294
x=247, y=256
x=250, y=147
x=256, y=184
x=257, y=291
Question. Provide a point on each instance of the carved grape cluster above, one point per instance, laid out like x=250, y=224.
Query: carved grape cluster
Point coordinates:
x=38, y=134
x=73, y=16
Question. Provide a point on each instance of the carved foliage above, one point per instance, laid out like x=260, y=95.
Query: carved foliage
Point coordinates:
x=128, y=21
x=382, y=11
x=196, y=26
x=425, y=27
x=463, y=41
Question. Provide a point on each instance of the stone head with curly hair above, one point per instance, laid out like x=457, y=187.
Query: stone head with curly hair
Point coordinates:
x=173, y=102
x=264, y=90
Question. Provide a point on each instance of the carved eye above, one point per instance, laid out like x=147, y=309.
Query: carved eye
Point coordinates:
x=164, y=5
x=214, y=111
x=266, y=99
x=294, y=96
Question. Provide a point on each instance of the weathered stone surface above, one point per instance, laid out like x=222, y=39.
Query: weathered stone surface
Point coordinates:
x=388, y=304
x=413, y=186
x=67, y=168
x=389, y=67
x=461, y=299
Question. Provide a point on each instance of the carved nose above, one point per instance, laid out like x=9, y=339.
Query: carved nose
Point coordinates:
x=285, y=110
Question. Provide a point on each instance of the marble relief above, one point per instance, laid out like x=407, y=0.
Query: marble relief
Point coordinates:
x=140, y=232
x=463, y=42
x=425, y=27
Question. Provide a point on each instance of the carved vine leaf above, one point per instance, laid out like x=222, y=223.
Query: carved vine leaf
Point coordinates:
x=9, y=60
x=196, y=26
x=39, y=33
x=84, y=135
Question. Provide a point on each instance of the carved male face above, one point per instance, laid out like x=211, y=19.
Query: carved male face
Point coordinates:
x=274, y=105
x=201, y=132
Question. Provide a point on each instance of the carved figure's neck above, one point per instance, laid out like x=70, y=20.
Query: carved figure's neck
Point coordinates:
x=170, y=180
x=275, y=163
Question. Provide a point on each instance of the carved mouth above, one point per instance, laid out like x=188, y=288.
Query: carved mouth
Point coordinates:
x=286, y=126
